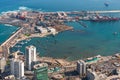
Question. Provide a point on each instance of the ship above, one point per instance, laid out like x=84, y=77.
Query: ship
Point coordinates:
x=106, y=4
x=97, y=18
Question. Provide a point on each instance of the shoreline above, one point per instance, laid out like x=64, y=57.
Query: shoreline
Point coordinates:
x=28, y=22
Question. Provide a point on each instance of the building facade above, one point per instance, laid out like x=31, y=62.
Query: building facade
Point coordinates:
x=17, y=68
x=2, y=64
x=41, y=71
x=81, y=68
x=30, y=56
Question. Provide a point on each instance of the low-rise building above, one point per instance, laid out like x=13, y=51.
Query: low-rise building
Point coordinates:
x=92, y=75
x=10, y=77
x=114, y=77
x=42, y=30
x=52, y=30
x=57, y=77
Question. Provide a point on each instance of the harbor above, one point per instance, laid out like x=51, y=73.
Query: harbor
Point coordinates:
x=39, y=24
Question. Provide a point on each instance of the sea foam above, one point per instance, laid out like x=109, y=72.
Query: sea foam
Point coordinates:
x=24, y=8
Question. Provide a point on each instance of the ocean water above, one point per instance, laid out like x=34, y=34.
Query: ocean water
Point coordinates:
x=6, y=31
x=98, y=38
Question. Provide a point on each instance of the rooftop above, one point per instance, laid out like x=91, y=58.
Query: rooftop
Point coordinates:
x=31, y=46
x=37, y=66
x=115, y=77
x=106, y=67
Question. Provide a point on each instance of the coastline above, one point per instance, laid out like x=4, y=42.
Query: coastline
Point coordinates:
x=27, y=26
x=72, y=47
x=24, y=37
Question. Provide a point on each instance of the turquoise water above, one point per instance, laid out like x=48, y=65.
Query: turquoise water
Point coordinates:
x=97, y=39
x=5, y=32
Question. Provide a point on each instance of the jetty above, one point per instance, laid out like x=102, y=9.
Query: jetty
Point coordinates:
x=65, y=13
x=10, y=42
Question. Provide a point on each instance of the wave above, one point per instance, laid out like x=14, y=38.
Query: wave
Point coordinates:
x=8, y=25
x=5, y=12
x=17, y=10
x=24, y=8
x=21, y=8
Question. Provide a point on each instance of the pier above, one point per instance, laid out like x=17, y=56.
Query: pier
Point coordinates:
x=110, y=11
x=79, y=12
x=10, y=42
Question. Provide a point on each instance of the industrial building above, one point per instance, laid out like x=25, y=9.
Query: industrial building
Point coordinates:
x=43, y=30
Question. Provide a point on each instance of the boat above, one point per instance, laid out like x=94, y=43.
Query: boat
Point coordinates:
x=22, y=43
x=26, y=42
x=115, y=33
x=28, y=39
x=19, y=46
x=106, y=4
x=13, y=32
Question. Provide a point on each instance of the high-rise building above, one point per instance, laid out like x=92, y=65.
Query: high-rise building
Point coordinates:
x=17, y=68
x=81, y=68
x=41, y=71
x=2, y=64
x=30, y=56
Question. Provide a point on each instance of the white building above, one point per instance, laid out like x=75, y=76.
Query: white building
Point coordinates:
x=10, y=77
x=52, y=30
x=81, y=68
x=2, y=64
x=42, y=30
x=17, y=68
x=30, y=56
